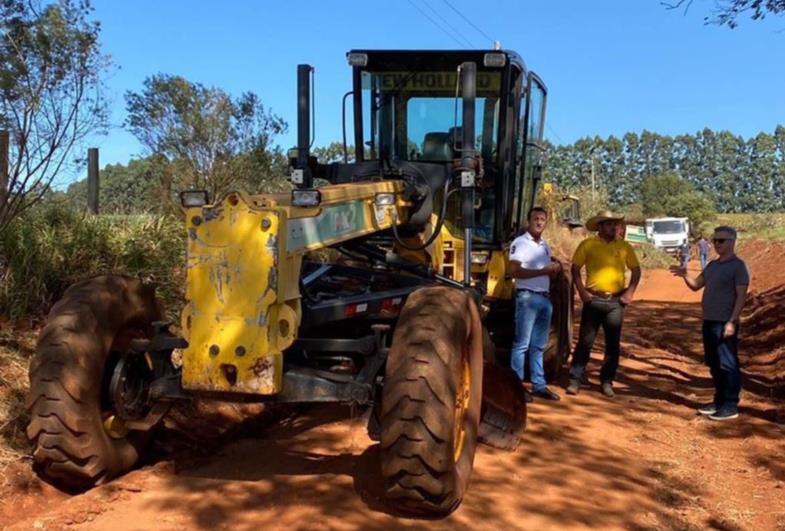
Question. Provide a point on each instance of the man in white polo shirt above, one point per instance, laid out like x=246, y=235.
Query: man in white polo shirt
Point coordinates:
x=532, y=268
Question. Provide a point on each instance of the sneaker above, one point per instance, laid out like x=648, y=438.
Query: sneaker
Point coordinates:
x=607, y=390
x=725, y=413
x=708, y=409
x=529, y=397
x=547, y=394
x=574, y=387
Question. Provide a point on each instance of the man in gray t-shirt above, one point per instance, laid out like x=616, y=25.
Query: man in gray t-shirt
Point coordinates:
x=724, y=282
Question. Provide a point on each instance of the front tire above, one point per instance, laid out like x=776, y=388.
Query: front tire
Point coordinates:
x=431, y=401
x=77, y=441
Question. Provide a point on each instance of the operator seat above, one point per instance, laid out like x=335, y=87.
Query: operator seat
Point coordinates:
x=437, y=147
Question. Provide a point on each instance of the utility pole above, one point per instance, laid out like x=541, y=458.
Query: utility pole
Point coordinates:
x=593, y=177
x=593, y=187
x=92, y=180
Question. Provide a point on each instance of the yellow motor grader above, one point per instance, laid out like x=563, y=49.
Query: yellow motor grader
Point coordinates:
x=384, y=286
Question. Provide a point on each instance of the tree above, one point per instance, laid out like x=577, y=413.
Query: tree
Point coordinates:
x=125, y=189
x=727, y=12
x=209, y=140
x=734, y=173
x=333, y=152
x=51, y=69
x=670, y=195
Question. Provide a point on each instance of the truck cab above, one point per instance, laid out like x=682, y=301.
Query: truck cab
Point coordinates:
x=668, y=233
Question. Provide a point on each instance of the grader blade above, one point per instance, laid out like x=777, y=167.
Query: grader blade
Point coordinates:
x=503, y=415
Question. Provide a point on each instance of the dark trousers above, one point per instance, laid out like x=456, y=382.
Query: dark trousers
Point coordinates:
x=599, y=312
x=722, y=357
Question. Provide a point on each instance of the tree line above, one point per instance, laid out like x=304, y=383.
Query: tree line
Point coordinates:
x=685, y=174
x=52, y=73
x=734, y=173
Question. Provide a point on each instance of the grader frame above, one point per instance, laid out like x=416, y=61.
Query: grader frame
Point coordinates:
x=387, y=287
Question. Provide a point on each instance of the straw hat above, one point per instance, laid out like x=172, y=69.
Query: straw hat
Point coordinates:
x=603, y=215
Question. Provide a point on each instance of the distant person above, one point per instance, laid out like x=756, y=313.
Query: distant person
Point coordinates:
x=703, y=251
x=725, y=281
x=604, y=296
x=684, y=254
x=532, y=267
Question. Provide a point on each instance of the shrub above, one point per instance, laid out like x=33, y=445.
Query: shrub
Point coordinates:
x=53, y=246
x=652, y=258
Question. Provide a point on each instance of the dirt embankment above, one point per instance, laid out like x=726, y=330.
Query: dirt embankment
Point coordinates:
x=763, y=338
x=762, y=349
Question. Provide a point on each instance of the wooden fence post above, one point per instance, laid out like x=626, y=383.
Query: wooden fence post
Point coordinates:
x=92, y=180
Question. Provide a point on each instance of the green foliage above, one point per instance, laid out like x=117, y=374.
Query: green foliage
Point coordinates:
x=131, y=189
x=728, y=12
x=633, y=212
x=333, y=152
x=735, y=174
x=670, y=195
x=203, y=138
x=53, y=246
x=652, y=258
x=753, y=226
x=50, y=93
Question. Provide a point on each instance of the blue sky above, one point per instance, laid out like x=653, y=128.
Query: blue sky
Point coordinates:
x=611, y=66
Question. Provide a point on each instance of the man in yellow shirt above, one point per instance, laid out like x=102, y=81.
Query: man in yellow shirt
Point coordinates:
x=604, y=296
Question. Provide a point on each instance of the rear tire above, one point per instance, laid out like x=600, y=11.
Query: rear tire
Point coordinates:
x=431, y=401
x=95, y=320
x=560, y=339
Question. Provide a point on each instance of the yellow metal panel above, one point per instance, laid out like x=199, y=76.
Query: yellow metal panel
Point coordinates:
x=244, y=260
x=499, y=286
x=235, y=324
x=346, y=212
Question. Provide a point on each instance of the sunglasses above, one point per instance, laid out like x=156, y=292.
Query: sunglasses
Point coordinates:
x=721, y=240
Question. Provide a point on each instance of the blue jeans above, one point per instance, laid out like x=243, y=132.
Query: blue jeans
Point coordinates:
x=722, y=357
x=532, y=326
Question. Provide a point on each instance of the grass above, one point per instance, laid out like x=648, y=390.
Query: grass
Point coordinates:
x=755, y=226
x=16, y=347
x=52, y=247
x=49, y=249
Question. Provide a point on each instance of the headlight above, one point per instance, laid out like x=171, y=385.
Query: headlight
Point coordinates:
x=384, y=199
x=194, y=198
x=494, y=60
x=306, y=198
x=357, y=59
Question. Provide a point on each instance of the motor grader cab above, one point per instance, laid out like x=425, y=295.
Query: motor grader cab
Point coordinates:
x=384, y=287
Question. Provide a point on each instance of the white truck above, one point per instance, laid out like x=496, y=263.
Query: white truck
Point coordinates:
x=668, y=234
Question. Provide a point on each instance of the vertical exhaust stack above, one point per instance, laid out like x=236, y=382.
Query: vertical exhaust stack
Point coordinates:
x=468, y=163
x=302, y=175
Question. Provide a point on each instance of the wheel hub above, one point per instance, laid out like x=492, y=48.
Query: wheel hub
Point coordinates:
x=461, y=405
x=129, y=388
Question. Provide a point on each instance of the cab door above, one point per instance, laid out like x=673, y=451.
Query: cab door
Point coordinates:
x=531, y=145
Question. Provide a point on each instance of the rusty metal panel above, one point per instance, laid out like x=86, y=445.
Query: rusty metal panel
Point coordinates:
x=234, y=322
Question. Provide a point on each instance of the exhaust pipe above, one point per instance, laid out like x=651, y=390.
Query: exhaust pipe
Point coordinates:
x=302, y=175
x=468, y=163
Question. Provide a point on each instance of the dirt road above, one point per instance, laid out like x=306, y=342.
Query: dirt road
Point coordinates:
x=643, y=460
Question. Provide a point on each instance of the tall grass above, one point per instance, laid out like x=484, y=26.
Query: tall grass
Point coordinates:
x=768, y=226
x=52, y=247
